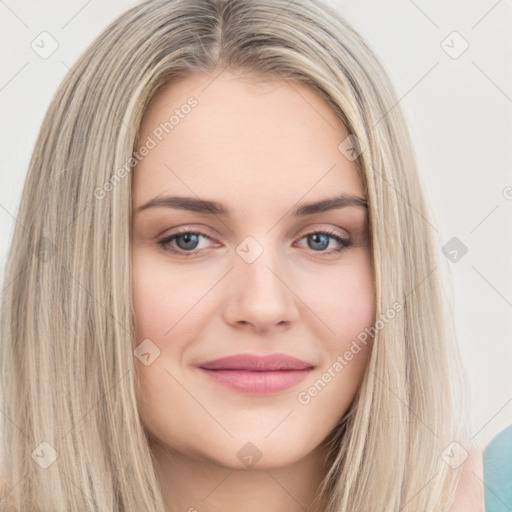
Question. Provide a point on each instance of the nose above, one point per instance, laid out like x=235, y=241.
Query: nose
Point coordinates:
x=260, y=295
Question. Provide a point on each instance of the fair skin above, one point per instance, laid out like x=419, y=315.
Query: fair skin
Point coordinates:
x=261, y=150
x=470, y=492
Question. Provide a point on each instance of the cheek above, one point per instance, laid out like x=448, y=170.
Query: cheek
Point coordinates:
x=157, y=308
x=348, y=308
x=162, y=296
x=346, y=302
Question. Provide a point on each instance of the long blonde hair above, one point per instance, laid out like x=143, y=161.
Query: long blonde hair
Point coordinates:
x=72, y=437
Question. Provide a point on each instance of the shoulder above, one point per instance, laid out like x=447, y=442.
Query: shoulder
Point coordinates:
x=470, y=491
x=498, y=471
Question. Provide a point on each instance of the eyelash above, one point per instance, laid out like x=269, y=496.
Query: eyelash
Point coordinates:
x=165, y=242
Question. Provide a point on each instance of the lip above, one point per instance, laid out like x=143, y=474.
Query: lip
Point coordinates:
x=249, y=373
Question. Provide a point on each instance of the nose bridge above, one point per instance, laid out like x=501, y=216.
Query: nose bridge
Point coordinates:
x=258, y=293
x=258, y=263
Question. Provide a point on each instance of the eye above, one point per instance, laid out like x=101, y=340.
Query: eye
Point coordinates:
x=187, y=242
x=318, y=241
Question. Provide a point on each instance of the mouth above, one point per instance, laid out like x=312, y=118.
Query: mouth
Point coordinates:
x=253, y=374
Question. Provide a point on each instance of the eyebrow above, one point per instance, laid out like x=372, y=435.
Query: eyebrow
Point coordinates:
x=205, y=206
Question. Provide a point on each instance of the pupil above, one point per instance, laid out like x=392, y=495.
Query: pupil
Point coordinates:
x=319, y=238
x=188, y=238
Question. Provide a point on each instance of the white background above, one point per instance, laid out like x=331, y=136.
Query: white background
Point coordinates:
x=459, y=111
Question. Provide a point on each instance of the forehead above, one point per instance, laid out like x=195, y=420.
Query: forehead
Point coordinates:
x=220, y=135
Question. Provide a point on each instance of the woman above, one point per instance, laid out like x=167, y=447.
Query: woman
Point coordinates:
x=223, y=279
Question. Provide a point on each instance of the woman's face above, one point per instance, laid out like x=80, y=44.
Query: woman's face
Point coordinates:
x=252, y=277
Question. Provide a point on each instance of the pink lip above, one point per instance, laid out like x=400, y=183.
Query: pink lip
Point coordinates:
x=256, y=374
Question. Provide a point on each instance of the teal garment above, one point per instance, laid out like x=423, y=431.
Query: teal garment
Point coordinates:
x=497, y=464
